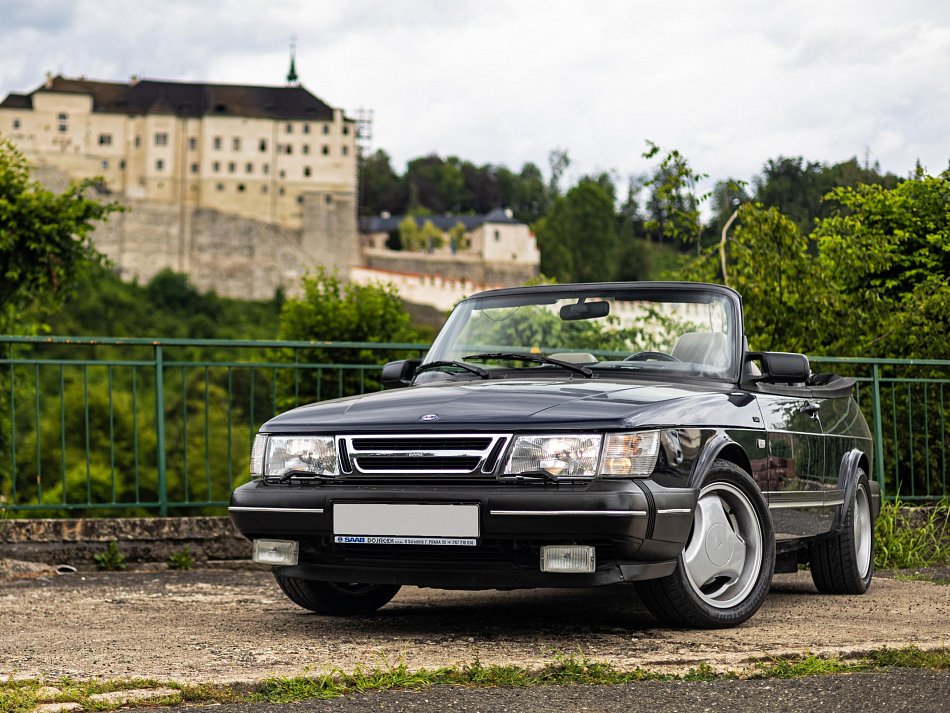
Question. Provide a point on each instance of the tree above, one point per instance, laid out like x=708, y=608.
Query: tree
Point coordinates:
x=44, y=238
x=578, y=237
x=409, y=234
x=381, y=189
x=674, y=204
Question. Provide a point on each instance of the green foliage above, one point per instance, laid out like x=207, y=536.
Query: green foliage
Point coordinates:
x=674, y=204
x=409, y=234
x=181, y=560
x=902, y=541
x=112, y=559
x=431, y=237
x=44, y=241
x=578, y=237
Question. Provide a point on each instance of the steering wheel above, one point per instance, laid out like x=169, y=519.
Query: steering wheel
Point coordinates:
x=648, y=356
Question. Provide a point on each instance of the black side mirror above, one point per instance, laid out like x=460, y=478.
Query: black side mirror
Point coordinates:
x=399, y=373
x=781, y=367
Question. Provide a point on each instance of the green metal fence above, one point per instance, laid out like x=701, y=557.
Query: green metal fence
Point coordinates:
x=139, y=426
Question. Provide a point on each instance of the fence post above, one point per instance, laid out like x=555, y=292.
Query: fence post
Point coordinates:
x=878, y=429
x=160, y=430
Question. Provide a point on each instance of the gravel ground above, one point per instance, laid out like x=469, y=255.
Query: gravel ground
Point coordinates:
x=229, y=626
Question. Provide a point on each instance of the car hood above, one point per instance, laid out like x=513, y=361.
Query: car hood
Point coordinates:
x=524, y=403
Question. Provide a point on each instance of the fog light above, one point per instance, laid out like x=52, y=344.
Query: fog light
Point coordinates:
x=275, y=552
x=568, y=558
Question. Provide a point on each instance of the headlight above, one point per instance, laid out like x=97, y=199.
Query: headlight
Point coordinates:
x=630, y=454
x=560, y=456
x=306, y=454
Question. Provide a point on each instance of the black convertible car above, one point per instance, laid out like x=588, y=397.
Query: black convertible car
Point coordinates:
x=573, y=436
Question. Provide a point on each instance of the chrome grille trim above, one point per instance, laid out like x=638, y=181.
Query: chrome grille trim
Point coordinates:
x=416, y=449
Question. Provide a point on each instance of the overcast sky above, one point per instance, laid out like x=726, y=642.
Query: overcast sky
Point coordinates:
x=728, y=83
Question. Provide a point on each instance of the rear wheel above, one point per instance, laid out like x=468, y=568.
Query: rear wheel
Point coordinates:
x=336, y=598
x=844, y=563
x=724, y=571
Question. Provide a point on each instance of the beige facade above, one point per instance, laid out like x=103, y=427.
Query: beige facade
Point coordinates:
x=151, y=145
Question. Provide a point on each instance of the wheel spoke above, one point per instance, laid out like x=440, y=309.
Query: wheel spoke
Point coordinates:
x=715, y=550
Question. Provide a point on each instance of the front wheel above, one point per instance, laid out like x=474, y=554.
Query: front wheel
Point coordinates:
x=725, y=569
x=844, y=563
x=336, y=598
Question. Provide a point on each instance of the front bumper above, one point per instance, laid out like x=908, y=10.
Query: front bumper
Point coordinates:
x=638, y=528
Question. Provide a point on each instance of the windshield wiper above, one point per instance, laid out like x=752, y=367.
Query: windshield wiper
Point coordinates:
x=460, y=364
x=536, y=358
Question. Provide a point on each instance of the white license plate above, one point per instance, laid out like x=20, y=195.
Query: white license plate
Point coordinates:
x=405, y=520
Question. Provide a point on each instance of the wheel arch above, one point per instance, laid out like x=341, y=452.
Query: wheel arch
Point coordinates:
x=720, y=446
x=853, y=461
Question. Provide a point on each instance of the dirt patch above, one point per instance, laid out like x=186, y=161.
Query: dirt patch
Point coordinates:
x=226, y=626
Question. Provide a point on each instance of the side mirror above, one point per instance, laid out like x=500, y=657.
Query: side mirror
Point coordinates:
x=399, y=373
x=781, y=367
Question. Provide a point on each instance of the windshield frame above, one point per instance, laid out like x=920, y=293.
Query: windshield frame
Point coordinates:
x=646, y=291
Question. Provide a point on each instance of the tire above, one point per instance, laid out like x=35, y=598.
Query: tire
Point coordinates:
x=844, y=562
x=725, y=569
x=337, y=598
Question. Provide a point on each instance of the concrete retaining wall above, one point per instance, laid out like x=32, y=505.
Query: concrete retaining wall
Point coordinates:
x=76, y=542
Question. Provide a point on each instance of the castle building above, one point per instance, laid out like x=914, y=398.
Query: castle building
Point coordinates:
x=244, y=189
x=249, y=151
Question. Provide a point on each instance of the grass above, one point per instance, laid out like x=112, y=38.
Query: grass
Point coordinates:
x=902, y=543
x=571, y=670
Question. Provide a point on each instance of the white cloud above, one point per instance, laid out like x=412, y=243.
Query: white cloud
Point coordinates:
x=730, y=84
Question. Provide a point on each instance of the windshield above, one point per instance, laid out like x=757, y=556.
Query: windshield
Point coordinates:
x=689, y=332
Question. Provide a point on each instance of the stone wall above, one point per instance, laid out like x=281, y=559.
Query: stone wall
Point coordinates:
x=458, y=267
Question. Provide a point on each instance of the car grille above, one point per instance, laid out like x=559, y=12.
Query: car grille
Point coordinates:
x=461, y=454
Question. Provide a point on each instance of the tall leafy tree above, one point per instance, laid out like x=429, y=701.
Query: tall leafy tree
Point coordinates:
x=578, y=237
x=44, y=238
x=674, y=203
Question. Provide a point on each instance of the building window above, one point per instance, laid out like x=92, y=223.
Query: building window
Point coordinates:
x=194, y=168
x=104, y=165
x=159, y=165
x=306, y=171
x=283, y=173
x=289, y=128
x=220, y=187
x=161, y=138
x=326, y=150
x=62, y=118
x=241, y=188
x=264, y=188
x=288, y=149
x=326, y=128
x=192, y=143
x=236, y=143
x=305, y=148
x=300, y=199
x=282, y=190
x=217, y=143
x=216, y=166
x=265, y=169
x=262, y=145
x=138, y=141
x=346, y=129
x=122, y=164
x=497, y=236
x=306, y=128
x=105, y=139
x=16, y=123
x=249, y=168
x=346, y=150
x=232, y=167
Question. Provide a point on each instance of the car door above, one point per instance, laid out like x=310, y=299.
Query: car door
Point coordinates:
x=797, y=468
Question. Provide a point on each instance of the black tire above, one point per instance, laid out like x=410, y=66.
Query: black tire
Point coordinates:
x=336, y=598
x=844, y=562
x=729, y=498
